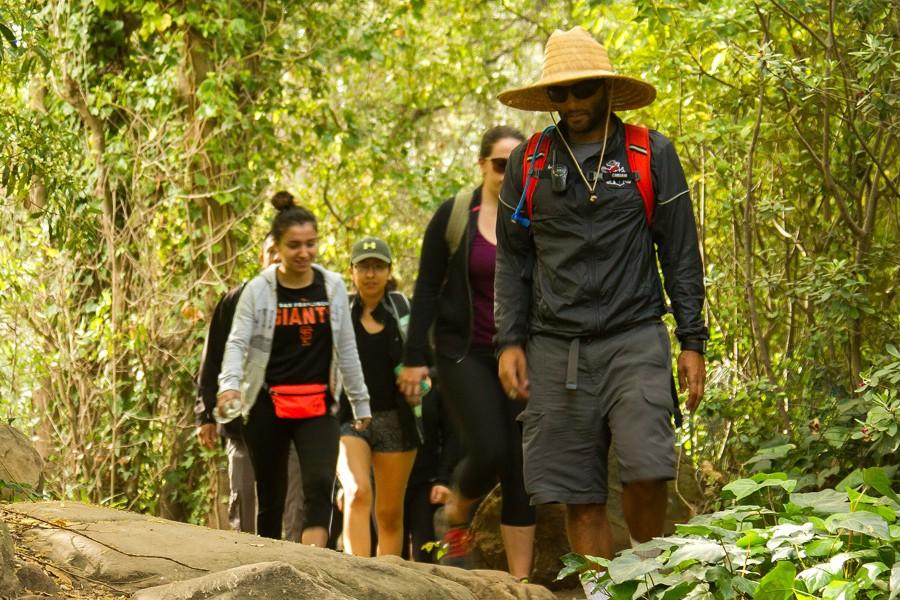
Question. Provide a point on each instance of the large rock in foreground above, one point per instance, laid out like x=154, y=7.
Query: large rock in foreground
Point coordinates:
x=20, y=463
x=263, y=581
x=134, y=553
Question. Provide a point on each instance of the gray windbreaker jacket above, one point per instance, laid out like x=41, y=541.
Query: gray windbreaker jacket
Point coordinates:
x=250, y=342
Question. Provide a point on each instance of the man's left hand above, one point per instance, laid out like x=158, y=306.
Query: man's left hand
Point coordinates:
x=692, y=376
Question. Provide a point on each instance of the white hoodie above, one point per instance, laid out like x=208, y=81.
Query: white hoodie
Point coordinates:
x=250, y=342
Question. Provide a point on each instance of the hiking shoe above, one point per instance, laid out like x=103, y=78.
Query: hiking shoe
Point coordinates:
x=458, y=542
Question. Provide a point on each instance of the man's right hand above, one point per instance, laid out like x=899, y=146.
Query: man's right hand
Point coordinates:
x=410, y=383
x=207, y=434
x=513, y=371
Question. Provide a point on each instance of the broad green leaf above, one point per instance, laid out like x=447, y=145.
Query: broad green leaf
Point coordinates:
x=826, y=501
x=868, y=573
x=791, y=534
x=751, y=538
x=573, y=563
x=861, y=522
x=852, y=480
x=764, y=477
x=707, y=531
x=622, y=591
x=628, y=566
x=876, y=478
x=816, y=577
x=705, y=552
x=840, y=590
x=888, y=514
x=824, y=546
x=895, y=582
x=778, y=584
x=742, y=585
x=679, y=591
x=721, y=577
x=741, y=488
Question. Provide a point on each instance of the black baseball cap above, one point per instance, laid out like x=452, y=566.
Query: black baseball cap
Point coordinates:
x=370, y=247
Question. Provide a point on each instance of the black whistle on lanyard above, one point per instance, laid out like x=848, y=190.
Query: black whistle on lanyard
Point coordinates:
x=558, y=175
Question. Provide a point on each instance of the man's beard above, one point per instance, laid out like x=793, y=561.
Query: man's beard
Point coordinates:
x=596, y=118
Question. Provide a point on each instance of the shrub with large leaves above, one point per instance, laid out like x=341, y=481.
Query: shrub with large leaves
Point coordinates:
x=771, y=544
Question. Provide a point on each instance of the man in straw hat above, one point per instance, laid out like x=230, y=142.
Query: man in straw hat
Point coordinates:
x=578, y=293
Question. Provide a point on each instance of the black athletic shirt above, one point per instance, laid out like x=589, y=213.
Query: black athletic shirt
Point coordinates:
x=301, y=346
x=378, y=367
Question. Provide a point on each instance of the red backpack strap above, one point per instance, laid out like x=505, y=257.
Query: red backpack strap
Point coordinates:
x=637, y=147
x=533, y=161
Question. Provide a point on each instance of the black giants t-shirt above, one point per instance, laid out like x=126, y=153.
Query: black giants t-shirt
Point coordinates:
x=301, y=347
x=378, y=367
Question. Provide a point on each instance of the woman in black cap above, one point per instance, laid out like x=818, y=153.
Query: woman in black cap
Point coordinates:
x=388, y=447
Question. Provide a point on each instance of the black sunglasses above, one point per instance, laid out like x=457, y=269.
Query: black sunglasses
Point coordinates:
x=581, y=90
x=499, y=165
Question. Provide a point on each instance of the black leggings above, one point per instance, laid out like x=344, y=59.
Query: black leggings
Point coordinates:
x=418, y=521
x=269, y=441
x=485, y=419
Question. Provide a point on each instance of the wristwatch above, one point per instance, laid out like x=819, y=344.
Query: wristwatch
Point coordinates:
x=694, y=345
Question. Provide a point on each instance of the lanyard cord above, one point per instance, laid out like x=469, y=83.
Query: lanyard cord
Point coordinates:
x=590, y=188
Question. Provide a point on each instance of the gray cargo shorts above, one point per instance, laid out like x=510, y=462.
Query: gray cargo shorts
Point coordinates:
x=585, y=396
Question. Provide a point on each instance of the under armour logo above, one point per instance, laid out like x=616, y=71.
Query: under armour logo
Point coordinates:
x=368, y=245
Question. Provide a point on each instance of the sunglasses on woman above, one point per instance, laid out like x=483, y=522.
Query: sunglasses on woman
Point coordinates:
x=581, y=90
x=499, y=165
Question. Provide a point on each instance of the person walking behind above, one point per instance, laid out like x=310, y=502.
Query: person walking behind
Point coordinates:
x=579, y=299
x=455, y=292
x=290, y=352
x=428, y=487
x=241, y=480
x=387, y=448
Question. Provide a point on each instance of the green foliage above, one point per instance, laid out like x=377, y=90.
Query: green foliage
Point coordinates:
x=12, y=491
x=771, y=544
x=142, y=139
x=864, y=429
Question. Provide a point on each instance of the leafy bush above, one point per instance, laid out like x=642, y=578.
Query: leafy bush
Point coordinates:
x=863, y=429
x=773, y=543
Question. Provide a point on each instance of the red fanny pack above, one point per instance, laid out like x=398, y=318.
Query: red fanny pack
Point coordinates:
x=299, y=401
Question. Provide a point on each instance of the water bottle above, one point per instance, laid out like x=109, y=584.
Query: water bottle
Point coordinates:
x=424, y=386
x=229, y=411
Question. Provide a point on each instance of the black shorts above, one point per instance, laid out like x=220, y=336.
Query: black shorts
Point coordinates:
x=384, y=434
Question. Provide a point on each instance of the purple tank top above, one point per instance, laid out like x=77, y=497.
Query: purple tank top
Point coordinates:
x=482, y=258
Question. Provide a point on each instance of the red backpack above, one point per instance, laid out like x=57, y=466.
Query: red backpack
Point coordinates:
x=637, y=147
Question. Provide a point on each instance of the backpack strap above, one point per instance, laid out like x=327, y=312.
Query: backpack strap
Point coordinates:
x=533, y=160
x=399, y=305
x=637, y=147
x=459, y=218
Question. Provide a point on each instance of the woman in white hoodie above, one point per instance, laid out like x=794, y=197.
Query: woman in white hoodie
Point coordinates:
x=291, y=350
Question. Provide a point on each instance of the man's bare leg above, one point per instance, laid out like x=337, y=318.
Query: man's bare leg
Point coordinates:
x=589, y=533
x=644, y=505
x=588, y=529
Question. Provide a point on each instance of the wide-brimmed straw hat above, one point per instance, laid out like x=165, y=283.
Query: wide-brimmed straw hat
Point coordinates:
x=572, y=56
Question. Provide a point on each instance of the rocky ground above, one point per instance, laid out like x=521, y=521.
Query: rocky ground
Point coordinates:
x=72, y=550
x=83, y=551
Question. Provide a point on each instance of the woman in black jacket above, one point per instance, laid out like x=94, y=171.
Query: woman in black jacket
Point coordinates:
x=454, y=293
x=387, y=448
